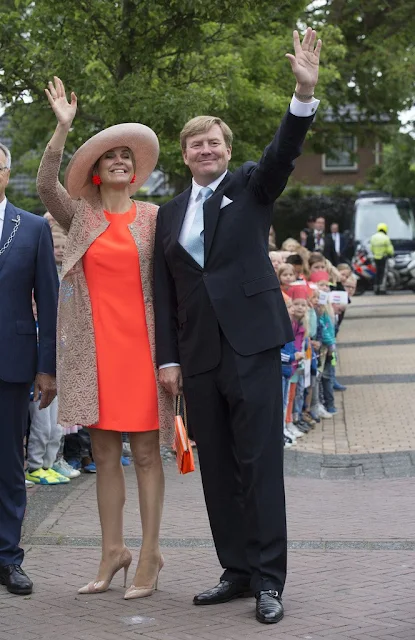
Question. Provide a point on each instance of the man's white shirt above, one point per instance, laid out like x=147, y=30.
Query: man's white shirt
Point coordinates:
x=336, y=240
x=3, y=205
x=193, y=205
x=297, y=108
x=303, y=109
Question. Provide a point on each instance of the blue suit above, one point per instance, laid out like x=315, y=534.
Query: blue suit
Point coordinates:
x=26, y=265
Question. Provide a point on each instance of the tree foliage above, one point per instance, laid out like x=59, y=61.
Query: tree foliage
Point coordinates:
x=159, y=62
x=396, y=174
x=377, y=73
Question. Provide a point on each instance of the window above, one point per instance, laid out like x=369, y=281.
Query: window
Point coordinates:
x=343, y=155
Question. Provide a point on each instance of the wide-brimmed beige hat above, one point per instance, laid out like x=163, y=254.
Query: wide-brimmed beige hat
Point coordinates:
x=142, y=141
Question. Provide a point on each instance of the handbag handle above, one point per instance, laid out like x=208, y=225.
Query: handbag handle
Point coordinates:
x=184, y=412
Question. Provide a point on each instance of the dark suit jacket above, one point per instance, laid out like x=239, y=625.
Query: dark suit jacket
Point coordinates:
x=329, y=250
x=342, y=244
x=237, y=290
x=28, y=264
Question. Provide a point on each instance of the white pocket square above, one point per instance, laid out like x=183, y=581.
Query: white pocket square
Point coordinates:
x=225, y=202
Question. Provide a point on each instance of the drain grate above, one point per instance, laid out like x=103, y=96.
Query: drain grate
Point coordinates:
x=337, y=472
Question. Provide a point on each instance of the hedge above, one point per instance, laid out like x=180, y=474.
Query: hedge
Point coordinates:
x=292, y=209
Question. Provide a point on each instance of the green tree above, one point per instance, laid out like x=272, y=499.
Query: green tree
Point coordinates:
x=159, y=62
x=377, y=73
x=396, y=174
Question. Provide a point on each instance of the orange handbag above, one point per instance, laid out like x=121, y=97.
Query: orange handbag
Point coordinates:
x=184, y=453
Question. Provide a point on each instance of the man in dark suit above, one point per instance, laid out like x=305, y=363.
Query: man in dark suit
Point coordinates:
x=339, y=241
x=308, y=230
x=26, y=265
x=318, y=240
x=220, y=320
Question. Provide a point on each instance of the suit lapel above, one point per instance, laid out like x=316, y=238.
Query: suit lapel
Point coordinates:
x=8, y=226
x=211, y=210
x=181, y=203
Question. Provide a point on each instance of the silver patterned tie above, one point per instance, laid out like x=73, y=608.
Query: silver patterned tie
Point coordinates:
x=195, y=244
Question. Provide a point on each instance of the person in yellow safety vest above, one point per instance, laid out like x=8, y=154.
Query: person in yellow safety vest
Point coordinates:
x=382, y=249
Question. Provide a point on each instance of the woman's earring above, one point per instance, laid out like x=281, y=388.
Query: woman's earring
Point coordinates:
x=96, y=180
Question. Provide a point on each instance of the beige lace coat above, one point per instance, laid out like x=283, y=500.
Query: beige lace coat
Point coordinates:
x=76, y=357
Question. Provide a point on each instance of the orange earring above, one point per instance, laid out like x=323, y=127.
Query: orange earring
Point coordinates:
x=96, y=180
x=133, y=179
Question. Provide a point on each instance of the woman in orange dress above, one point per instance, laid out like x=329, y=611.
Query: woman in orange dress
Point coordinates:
x=107, y=376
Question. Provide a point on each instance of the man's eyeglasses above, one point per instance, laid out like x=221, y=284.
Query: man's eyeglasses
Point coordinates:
x=4, y=168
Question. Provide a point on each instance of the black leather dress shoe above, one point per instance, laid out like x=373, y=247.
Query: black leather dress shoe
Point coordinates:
x=224, y=592
x=269, y=607
x=15, y=579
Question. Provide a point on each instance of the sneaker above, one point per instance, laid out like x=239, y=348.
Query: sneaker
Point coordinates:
x=29, y=484
x=125, y=461
x=126, y=449
x=291, y=436
x=59, y=477
x=332, y=411
x=75, y=464
x=323, y=413
x=65, y=469
x=292, y=429
x=302, y=427
x=314, y=415
x=88, y=466
x=41, y=476
x=288, y=443
x=308, y=419
x=339, y=387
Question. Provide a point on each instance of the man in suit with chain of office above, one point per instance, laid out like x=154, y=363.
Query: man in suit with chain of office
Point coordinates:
x=27, y=265
x=220, y=320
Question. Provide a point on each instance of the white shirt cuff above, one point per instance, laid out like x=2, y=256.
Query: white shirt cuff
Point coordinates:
x=169, y=364
x=303, y=109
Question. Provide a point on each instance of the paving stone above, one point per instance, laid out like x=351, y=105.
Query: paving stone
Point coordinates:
x=377, y=416
x=328, y=595
x=351, y=541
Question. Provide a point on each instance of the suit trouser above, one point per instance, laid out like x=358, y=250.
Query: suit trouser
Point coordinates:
x=236, y=411
x=14, y=407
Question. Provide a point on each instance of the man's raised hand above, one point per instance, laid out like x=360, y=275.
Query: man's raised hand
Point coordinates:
x=306, y=61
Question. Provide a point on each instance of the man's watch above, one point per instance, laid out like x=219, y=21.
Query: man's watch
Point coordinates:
x=303, y=96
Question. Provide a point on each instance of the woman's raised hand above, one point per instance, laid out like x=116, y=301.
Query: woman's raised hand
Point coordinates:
x=64, y=111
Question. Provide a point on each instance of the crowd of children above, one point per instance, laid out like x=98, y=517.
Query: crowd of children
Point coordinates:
x=316, y=295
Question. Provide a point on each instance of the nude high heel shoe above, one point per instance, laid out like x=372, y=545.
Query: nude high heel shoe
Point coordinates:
x=143, y=592
x=103, y=585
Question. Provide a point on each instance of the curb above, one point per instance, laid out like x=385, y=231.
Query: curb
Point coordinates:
x=368, y=466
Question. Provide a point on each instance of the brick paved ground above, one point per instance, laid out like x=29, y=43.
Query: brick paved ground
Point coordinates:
x=359, y=427
x=352, y=543
x=351, y=567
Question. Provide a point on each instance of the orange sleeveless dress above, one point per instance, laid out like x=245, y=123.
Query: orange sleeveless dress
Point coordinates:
x=127, y=391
